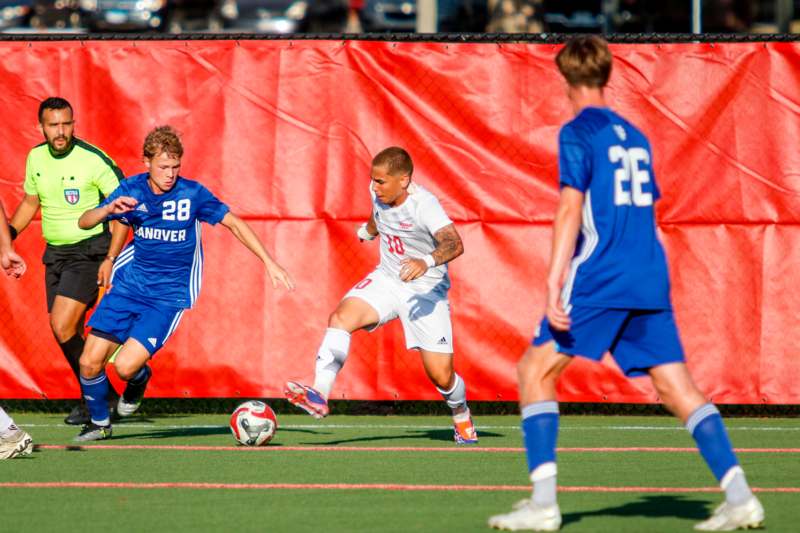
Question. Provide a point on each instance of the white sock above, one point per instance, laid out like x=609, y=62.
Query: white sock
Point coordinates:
x=456, y=397
x=330, y=358
x=6, y=424
x=544, y=484
x=737, y=491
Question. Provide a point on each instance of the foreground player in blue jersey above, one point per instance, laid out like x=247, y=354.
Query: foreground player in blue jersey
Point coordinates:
x=155, y=278
x=612, y=296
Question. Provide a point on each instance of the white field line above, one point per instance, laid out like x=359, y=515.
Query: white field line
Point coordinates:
x=357, y=486
x=383, y=449
x=414, y=426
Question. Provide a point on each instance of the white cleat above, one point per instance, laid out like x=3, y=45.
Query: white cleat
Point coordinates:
x=727, y=517
x=526, y=515
x=16, y=444
x=125, y=409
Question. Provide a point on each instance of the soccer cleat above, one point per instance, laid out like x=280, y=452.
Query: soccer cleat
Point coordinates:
x=15, y=444
x=132, y=397
x=464, y=431
x=526, y=515
x=127, y=409
x=727, y=517
x=306, y=398
x=92, y=431
x=78, y=416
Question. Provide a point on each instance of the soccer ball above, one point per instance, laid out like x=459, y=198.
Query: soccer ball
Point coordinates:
x=253, y=423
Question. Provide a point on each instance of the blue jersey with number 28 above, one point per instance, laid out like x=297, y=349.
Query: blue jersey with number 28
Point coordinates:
x=164, y=263
x=619, y=261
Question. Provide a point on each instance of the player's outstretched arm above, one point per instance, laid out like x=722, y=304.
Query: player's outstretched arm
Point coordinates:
x=23, y=214
x=448, y=247
x=118, y=206
x=119, y=234
x=565, y=234
x=12, y=264
x=247, y=236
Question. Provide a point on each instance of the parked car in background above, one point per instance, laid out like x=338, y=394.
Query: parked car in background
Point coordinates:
x=582, y=16
x=55, y=14
x=283, y=16
x=191, y=15
x=15, y=13
x=124, y=15
x=401, y=15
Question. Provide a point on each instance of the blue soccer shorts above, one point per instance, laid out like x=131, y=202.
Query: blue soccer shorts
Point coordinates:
x=637, y=339
x=120, y=317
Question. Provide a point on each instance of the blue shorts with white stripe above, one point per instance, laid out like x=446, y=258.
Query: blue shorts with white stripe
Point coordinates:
x=122, y=317
x=638, y=339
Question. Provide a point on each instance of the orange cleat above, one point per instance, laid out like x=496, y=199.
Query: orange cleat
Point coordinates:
x=464, y=430
x=306, y=398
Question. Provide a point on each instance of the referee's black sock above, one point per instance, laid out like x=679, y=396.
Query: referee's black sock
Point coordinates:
x=72, y=349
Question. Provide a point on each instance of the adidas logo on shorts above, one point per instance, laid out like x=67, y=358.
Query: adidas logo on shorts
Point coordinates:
x=442, y=341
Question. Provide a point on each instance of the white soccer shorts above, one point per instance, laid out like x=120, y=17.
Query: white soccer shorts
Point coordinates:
x=425, y=317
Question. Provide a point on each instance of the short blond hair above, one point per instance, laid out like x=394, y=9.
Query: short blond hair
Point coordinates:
x=162, y=139
x=585, y=60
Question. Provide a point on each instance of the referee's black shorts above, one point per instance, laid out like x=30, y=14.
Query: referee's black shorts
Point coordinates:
x=71, y=269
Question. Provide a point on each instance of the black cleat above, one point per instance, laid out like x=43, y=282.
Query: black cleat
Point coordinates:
x=78, y=416
x=112, y=408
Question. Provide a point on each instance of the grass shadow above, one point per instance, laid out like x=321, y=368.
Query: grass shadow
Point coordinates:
x=661, y=505
x=445, y=435
x=169, y=433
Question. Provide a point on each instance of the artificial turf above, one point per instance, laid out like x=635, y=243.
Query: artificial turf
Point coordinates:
x=236, y=508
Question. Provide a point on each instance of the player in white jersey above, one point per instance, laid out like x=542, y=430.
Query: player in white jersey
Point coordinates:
x=418, y=239
x=14, y=442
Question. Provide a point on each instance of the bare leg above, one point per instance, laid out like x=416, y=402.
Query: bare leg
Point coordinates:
x=350, y=315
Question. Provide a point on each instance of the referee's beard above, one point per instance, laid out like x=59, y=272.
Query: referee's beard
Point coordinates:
x=66, y=146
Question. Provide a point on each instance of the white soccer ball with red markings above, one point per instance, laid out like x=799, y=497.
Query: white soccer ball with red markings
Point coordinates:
x=253, y=423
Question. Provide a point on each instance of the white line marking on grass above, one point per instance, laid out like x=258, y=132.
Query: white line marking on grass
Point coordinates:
x=408, y=426
x=355, y=486
x=323, y=448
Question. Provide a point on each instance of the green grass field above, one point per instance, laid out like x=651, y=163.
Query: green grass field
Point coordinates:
x=377, y=488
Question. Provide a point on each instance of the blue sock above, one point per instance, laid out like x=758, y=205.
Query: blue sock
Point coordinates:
x=706, y=426
x=540, y=431
x=95, y=392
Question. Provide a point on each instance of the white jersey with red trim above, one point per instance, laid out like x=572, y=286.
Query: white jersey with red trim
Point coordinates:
x=406, y=231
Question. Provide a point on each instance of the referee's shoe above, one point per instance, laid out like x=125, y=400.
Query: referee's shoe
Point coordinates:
x=79, y=415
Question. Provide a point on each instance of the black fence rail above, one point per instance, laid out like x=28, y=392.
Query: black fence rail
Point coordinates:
x=499, y=38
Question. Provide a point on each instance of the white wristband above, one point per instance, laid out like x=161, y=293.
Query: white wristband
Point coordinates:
x=363, y=234
x=429, y=260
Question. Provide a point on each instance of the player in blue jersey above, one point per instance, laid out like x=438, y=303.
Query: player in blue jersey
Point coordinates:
x=156, y=277
x=608, y=290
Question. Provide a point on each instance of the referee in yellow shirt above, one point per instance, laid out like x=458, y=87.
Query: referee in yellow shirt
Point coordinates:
x=66, y=176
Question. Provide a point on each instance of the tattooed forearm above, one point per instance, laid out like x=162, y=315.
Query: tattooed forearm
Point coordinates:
x=449, y=245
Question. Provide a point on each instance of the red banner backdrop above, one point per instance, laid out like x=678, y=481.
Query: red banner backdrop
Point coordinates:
x=284, y=132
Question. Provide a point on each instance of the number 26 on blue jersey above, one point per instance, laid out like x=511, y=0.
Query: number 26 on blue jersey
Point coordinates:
x=628, y=177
